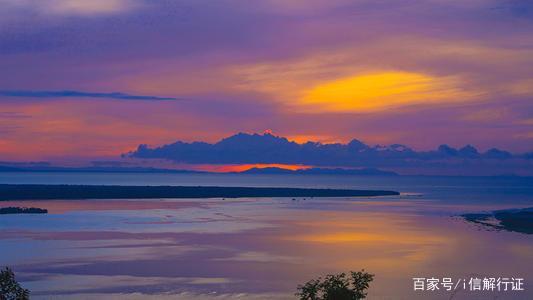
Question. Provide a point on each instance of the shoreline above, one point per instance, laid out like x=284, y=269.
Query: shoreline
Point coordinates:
x=517, y=220
x=80, y=192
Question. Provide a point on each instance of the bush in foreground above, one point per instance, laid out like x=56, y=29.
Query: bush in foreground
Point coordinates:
x=10, y=289
x=336, y=287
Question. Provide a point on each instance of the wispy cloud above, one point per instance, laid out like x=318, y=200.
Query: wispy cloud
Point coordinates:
x=78, y=94
x=13, y=115
x=72, y=7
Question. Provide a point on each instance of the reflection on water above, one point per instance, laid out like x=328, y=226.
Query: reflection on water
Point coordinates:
x=251, y=248
x=262, y=248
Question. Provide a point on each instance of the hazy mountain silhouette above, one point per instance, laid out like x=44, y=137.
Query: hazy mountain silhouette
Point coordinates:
x=243, y=148
x=93, y=169
x=267, y=170
x=321, y=171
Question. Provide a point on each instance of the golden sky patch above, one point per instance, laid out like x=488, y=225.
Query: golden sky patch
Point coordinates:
x=386, y=73
x=376, y=91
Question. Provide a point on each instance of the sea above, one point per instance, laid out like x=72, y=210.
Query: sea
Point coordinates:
x=415, y=244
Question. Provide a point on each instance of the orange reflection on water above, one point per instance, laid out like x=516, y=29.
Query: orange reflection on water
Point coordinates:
x=376, y=240
x=366, y=227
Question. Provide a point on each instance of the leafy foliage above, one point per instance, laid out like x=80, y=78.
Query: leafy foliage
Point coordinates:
x=336, y=287
x=10, y=289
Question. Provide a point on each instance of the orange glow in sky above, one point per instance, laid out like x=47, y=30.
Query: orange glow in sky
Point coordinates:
x=244, y=167
x=326, y=77
x=376, y=91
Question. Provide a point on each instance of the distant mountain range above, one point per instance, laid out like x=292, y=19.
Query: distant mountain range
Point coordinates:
x=44, y=168
x=244, y=148
x=321, y=171
x=268, y=170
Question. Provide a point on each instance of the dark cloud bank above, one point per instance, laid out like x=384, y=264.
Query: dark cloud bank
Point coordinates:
x=245, y=148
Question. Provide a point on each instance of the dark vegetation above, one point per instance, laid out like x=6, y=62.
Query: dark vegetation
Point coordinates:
x=22, y=210
x=42, y=192
x=518, y=220
x=336, y=287
x=10, y=289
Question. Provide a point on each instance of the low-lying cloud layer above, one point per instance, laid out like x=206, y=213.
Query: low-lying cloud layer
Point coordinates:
x=269, y=149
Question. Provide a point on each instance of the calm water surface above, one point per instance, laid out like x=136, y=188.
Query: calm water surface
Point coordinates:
x=262, y=248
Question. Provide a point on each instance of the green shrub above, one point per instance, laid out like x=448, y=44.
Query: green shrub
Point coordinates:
x=336, y=287
x=10, y=289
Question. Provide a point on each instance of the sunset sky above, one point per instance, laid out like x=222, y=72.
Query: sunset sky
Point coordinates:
x=93, y=79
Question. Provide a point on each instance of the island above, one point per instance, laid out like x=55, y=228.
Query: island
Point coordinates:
x=517, y=220
x=65, y=192
x=22, y=210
